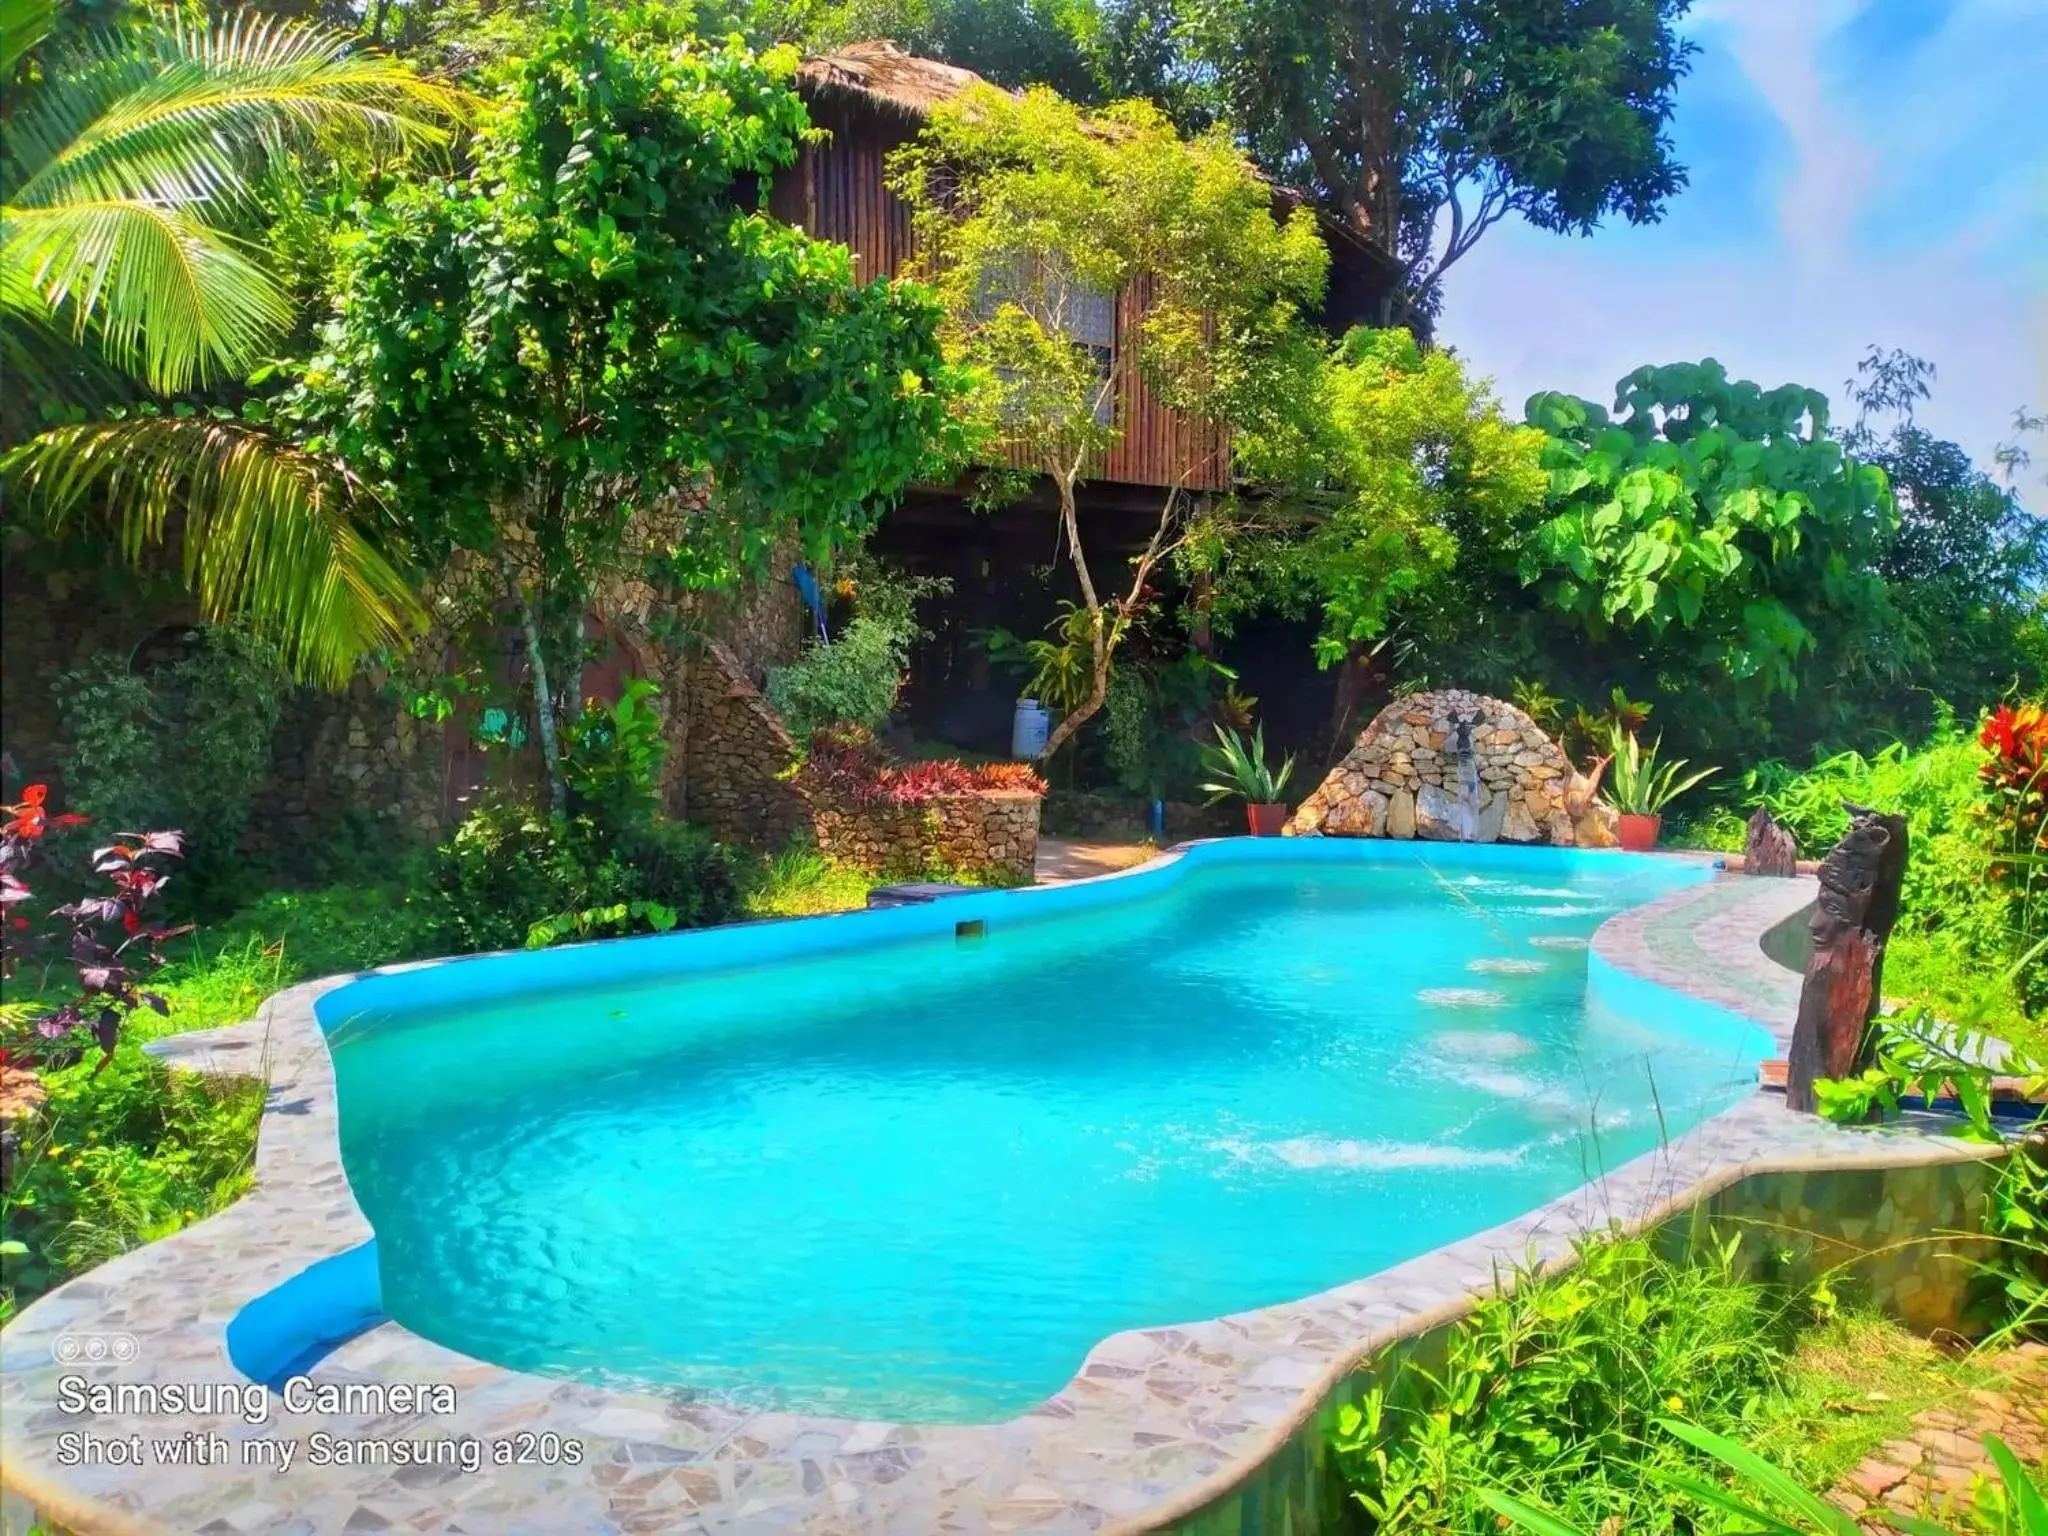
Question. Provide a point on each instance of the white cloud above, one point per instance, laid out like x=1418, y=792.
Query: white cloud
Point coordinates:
x=1848, y=264
x=1777, y=45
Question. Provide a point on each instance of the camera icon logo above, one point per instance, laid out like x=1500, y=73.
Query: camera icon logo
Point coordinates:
x=95, y=1348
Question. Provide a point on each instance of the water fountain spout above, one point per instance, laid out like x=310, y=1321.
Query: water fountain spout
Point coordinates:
x=1469, y=793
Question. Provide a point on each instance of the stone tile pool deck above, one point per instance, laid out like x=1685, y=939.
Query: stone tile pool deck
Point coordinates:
x=1158, y=1425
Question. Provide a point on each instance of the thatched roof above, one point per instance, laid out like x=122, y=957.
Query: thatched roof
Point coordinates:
x=881, y=74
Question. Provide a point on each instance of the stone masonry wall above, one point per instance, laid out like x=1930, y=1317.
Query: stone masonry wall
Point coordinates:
x=734, y=753
x=1402, y=779
x=992, y=832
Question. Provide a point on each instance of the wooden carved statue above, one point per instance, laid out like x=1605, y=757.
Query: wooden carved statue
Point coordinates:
x=1860, y=881
x=1770, y=848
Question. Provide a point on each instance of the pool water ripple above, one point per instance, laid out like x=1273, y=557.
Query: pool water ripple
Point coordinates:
x=921, y=1181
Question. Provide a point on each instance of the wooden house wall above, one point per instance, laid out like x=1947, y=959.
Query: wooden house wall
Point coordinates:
x=838, y=192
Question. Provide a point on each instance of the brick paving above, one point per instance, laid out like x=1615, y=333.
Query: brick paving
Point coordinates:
x=1934, y=1470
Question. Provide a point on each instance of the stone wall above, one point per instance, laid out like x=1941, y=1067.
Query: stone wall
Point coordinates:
x=990, y=833
x=1402, y=779
x=347, y=765
x=730, y=754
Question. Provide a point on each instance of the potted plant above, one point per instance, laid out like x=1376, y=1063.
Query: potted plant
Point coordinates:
x=1241, y=770
x=1639, y=787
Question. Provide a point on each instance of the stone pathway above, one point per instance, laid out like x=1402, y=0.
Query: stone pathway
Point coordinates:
x=1935, y=1468
x=1070, y=858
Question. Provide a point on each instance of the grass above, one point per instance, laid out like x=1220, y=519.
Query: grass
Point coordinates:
x=1852, y=1383
x=802, y=882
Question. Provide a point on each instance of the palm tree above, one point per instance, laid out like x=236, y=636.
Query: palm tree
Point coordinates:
x=125, y=197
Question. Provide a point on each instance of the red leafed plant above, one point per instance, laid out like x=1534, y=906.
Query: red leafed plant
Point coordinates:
x=106, y=930
x=2016, y=773
x=848, y=765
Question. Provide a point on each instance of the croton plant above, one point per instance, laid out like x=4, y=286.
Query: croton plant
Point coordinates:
x=114, y=936
x=2016, y=773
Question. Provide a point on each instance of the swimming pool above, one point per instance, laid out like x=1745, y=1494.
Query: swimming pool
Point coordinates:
x=874, y=1167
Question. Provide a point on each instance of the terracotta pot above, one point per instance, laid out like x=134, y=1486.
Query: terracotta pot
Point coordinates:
x=1266, y=820
x=1638, y=833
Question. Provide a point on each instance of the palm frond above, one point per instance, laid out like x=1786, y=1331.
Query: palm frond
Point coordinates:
x=173, y=112
x=269, y=534
x=23, y=24
x=173, y=300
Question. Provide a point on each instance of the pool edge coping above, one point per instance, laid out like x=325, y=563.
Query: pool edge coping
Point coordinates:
x=1623, y=942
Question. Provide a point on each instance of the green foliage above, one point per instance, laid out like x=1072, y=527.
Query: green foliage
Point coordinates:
x=1398, y=458
x=598, y=314
x=1638, y=783
x=852, y=681
x=509, y=869
x=1241, y=770
x=185, y=745
x=1058, y=666
x=2018, y=1503
x=127, y=199
x=1551, y=1391
x=1921, y=1057
x=1961, y=927
x=1967, y=564
x=1712, y=507
x=1015, y=43
x=612, y=756
x=120, y=1156
x=1034, y=219
x=799, y=881
x=1421, y=124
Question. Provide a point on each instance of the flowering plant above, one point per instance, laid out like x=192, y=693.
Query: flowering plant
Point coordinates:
x=2016, y=772
x=104, y=929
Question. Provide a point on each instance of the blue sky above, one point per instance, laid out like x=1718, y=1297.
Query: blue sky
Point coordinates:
x=1862, y=171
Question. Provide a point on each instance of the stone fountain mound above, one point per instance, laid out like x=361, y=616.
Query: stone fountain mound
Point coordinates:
x=1455, y=766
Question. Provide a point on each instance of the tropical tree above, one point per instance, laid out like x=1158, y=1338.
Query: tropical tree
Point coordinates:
x=1967, y=564
x=127, y=209
x=1420, y=124
x=1034, y=219
x=1409, y=455
x=594, y=353
x=1714, y=509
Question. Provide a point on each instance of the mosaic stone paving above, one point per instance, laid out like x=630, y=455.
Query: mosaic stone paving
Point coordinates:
x=1159, y=1424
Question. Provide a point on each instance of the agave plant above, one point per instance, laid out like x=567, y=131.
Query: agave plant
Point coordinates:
x=1242, y=770
x=127, y=207
x=1638, y=784
x=2017, y=1502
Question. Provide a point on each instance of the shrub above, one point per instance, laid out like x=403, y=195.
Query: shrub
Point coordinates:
x=186, y=744
x=848, y=765
x=117, y=1157
x=1966, y=917
x=1552, y=1391
x=852, y=681
x=509, y=869
x=612, y=756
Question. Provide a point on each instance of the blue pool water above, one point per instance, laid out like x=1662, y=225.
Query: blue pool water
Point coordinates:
x=919, y=1178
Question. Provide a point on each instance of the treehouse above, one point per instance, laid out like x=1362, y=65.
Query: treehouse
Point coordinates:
x=870, y=98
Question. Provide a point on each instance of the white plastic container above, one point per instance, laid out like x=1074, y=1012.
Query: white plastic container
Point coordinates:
x=1028, y=729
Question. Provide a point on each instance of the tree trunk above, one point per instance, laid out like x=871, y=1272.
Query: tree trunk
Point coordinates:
x=1834, y=1016
x=1106, y=631
x=1769, y=848
x=543, y=697
x=1860, y=882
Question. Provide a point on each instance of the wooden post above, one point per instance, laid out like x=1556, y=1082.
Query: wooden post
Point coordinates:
x=1770, y=848
x=1860, y=880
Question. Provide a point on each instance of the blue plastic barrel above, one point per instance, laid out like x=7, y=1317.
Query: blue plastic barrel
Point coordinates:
x=1028, y=729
